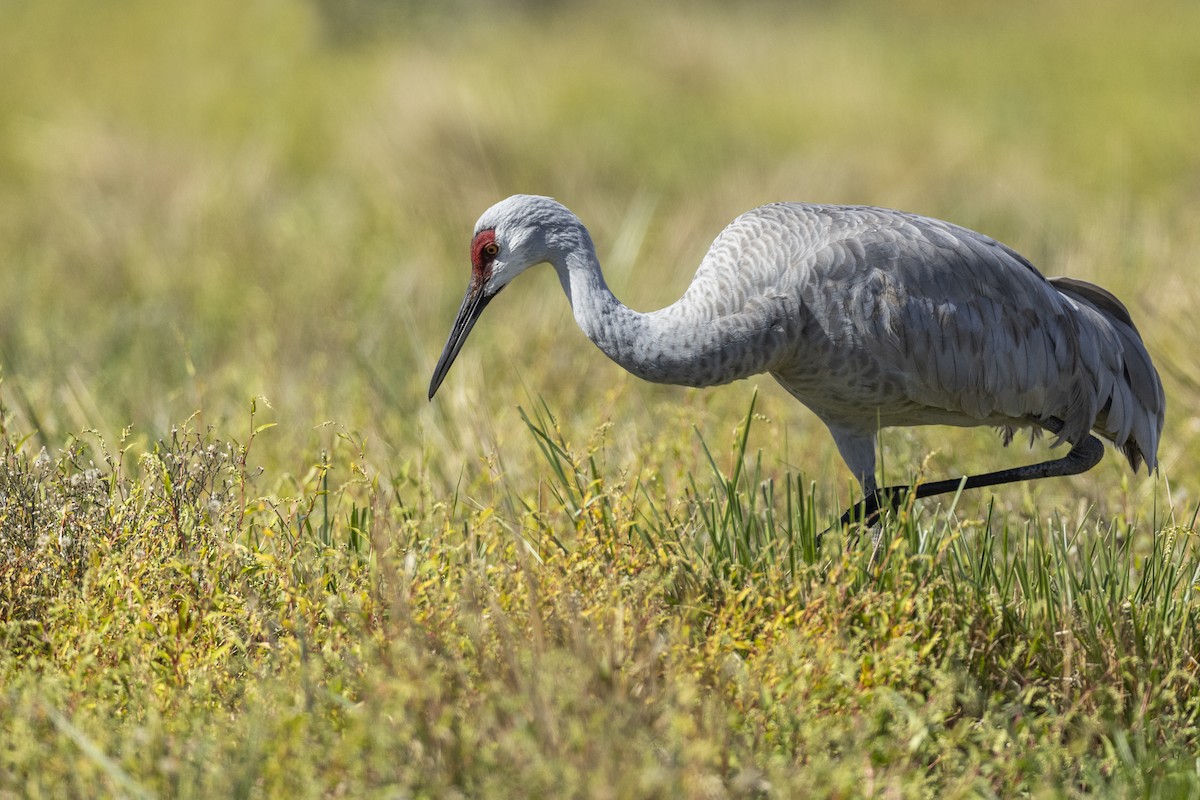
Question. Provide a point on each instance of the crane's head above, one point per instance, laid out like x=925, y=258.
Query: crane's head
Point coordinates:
x=511, y=236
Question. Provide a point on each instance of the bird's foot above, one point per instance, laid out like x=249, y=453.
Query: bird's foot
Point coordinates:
x=868, y=510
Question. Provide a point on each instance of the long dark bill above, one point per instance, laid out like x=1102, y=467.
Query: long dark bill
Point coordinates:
x=472, y=306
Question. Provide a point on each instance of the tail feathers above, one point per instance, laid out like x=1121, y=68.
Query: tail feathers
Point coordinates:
x=1132, y=415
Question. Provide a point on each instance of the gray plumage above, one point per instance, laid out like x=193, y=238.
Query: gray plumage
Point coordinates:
x=870, y=317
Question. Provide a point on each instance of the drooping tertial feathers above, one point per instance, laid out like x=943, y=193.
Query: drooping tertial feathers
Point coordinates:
x=870, y=317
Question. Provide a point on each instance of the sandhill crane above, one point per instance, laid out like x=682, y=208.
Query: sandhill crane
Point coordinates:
x=870, y=317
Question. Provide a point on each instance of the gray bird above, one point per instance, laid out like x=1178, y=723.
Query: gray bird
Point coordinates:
x=871, y=317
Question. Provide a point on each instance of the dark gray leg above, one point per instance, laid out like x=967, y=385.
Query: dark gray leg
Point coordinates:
x=1083, y=456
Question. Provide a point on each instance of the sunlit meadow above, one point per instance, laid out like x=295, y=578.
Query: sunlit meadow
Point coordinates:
x=241, y=555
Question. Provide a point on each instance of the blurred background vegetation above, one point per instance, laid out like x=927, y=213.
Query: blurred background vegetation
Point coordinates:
x=204, y=203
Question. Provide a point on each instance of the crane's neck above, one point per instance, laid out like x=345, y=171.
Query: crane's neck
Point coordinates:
x=678, y=344
x=616, y=329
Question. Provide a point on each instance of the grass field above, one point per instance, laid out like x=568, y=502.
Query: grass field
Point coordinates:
x=242, y=556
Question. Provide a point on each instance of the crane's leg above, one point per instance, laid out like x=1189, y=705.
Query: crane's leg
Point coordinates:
x=858, y=451
x=1083, y=456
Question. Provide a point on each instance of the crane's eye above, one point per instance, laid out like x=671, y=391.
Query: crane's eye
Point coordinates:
x=491, y=249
